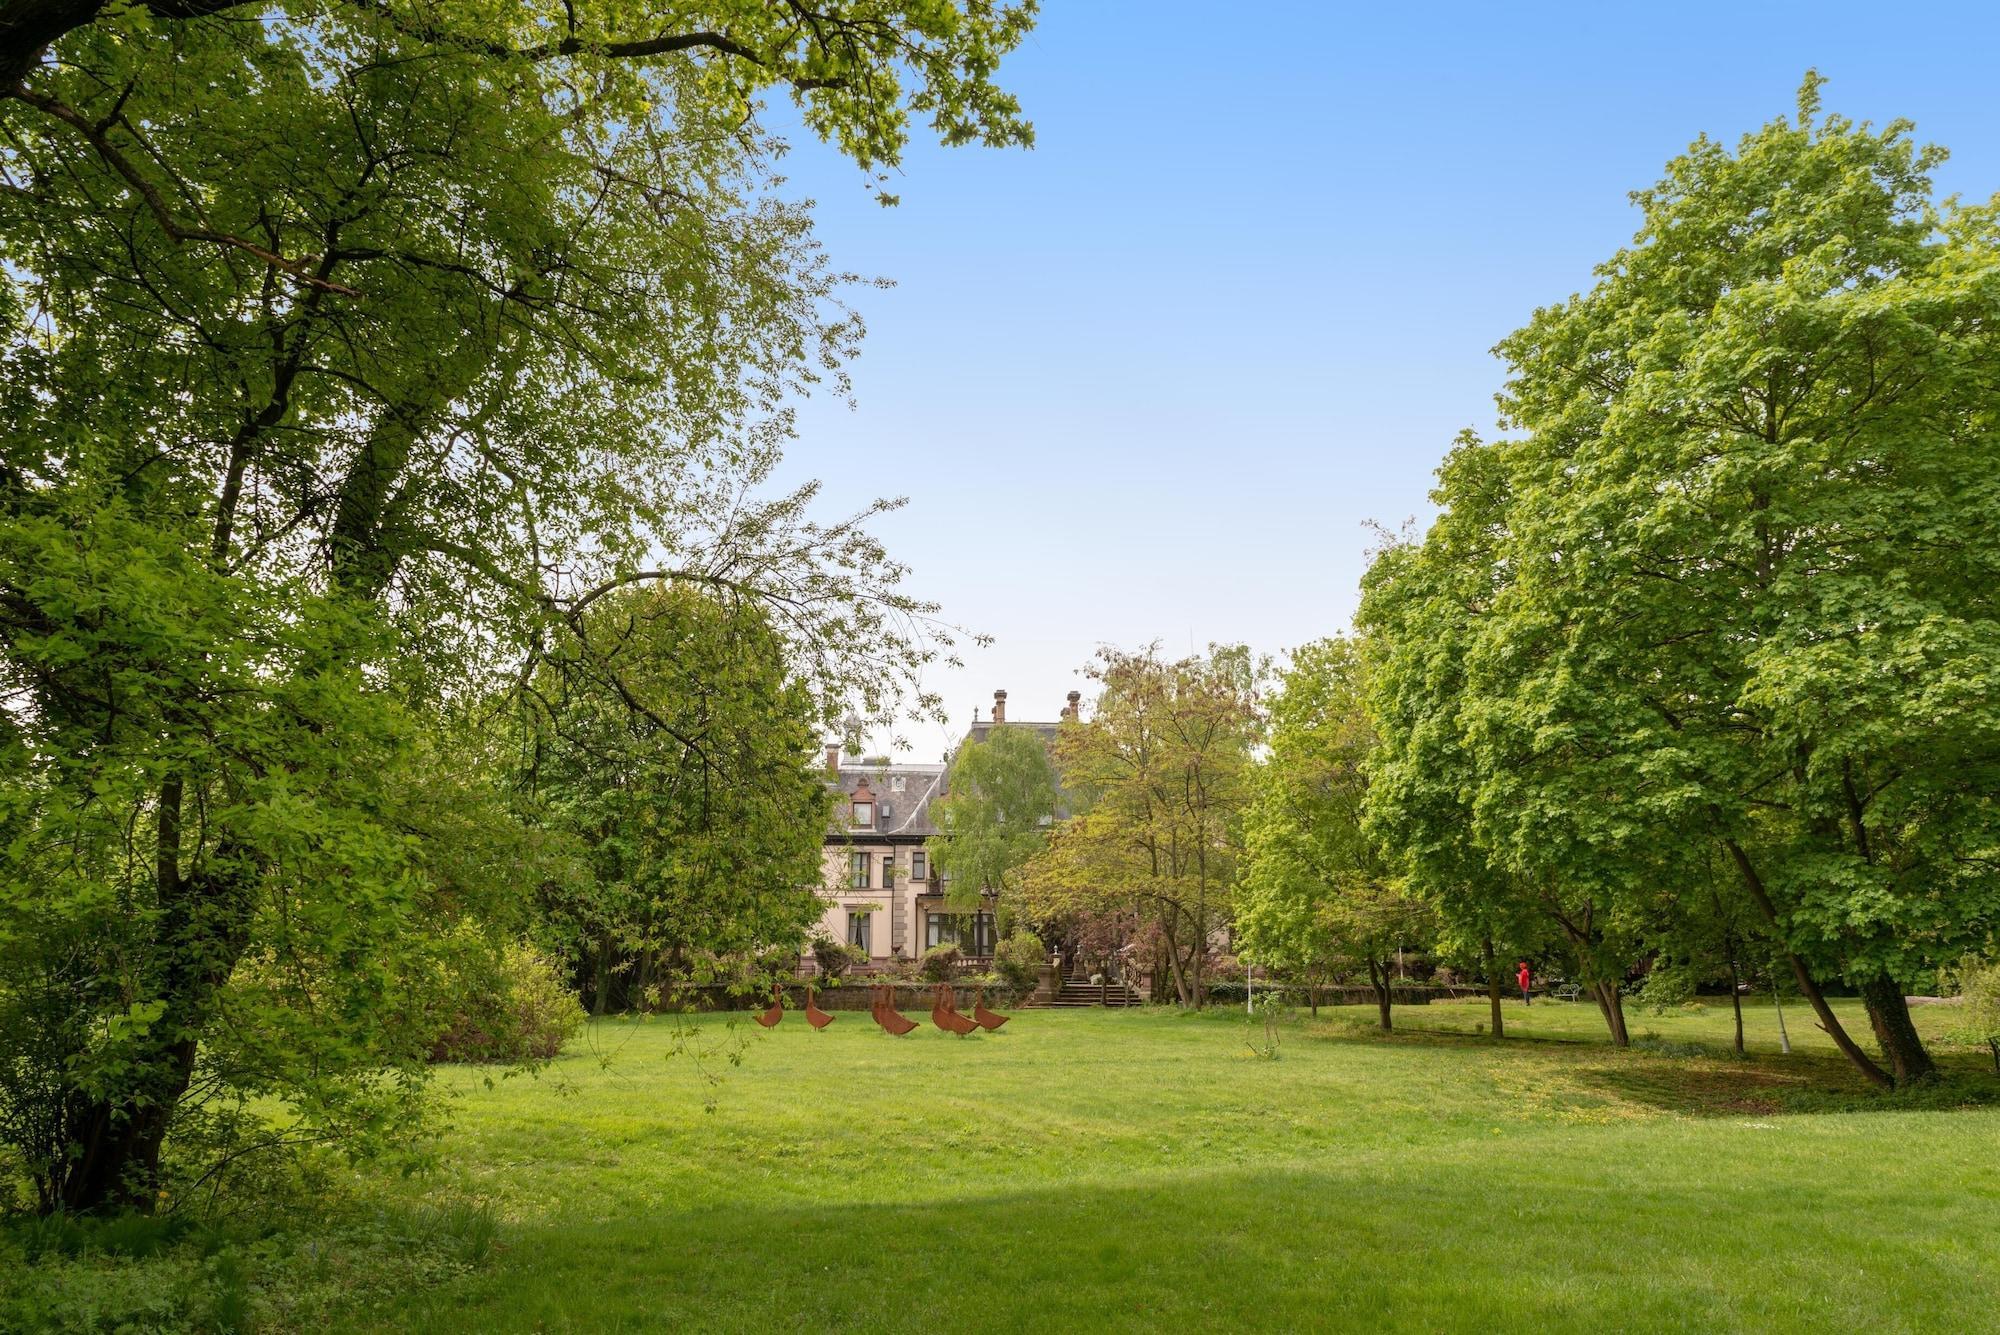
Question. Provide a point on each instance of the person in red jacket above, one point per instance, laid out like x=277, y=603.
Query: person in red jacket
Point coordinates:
x=1525, y=978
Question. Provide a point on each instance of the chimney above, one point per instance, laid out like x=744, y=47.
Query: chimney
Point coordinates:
x=1074, y=712
x=999, y=706
x=833, y=755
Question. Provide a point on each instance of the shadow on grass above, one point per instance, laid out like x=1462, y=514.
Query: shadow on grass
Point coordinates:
x=1659, y=1226
x=1693, y=1078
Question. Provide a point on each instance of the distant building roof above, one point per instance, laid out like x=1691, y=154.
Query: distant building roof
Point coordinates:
x=902, y=792
x=984, y=729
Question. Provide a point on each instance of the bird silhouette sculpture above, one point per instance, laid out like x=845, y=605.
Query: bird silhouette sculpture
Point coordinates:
x=816, y=1017
x=946, y=1017
x=776, y=1011
x=987, y=1019
x=886, y=1014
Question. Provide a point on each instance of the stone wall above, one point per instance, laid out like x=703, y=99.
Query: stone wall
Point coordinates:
x=847, y=997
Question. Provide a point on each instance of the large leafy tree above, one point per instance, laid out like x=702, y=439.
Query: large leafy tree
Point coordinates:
x=1315, y=886
x=1729, y=594
x=996, y=816
x=674, y=747
x=1755, y=537
x=1423, y=607
x=1159, y=777
x=353, y=355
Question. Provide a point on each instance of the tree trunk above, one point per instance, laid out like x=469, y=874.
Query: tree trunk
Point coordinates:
x=1200, y=952
x=1784, y=1035
x=1178, y=969
x=1736, y=1004
x=1808, y=988
x=1378, y=978
x=1493, y=990
x=1612, y=1007
x=601, y=991
x=1889, y=1012
x=637, y=1001
x=203, y=930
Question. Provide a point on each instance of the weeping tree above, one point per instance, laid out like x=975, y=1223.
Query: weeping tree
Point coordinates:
x=353, y=356
x=995, y=818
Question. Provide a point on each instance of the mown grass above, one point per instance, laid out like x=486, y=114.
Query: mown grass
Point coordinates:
x=1147, y=1170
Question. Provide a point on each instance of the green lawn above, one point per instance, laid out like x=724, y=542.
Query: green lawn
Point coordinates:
x=1144, y=1170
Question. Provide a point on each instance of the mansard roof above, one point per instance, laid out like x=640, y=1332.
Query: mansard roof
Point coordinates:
x=905, y=813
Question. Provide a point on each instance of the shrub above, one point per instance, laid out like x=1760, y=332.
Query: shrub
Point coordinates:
x=1238, y=990
x=1979, y=986
x=777, y=965
x=1019, y=960
x=1666, y=987
x=514, y=1009
x=836, y=958
x=941, y=963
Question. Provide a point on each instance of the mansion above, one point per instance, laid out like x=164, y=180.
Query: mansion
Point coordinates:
x=882, y=894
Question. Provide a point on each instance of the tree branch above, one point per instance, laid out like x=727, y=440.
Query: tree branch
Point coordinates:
x=301, y=269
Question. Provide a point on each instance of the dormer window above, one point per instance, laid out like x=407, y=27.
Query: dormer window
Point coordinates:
x=861, y=808
x=864, y=813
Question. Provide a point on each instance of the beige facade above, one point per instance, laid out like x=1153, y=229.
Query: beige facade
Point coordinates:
x=875, y=879
x=888, y=904
x=874, y=867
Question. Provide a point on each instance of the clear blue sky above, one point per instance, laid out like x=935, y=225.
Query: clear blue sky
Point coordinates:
x=1151, y=379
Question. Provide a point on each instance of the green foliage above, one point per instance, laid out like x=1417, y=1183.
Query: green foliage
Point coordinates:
x=1784, y=417
x=291, y=904
x=836, y=958
x=1979, y=991
x=1725, y=598
x=351, y=360
x=513, y=1008
x=1423, y=606
x=1262, y=1031
x=940, y=963
x=995, y=815
x=1667, y=988
x=1160, y=777
x=670, y=742
x=1020, y=959
x=1316, y=890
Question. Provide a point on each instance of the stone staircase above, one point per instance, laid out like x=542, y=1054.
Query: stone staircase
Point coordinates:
x=1079, y=992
